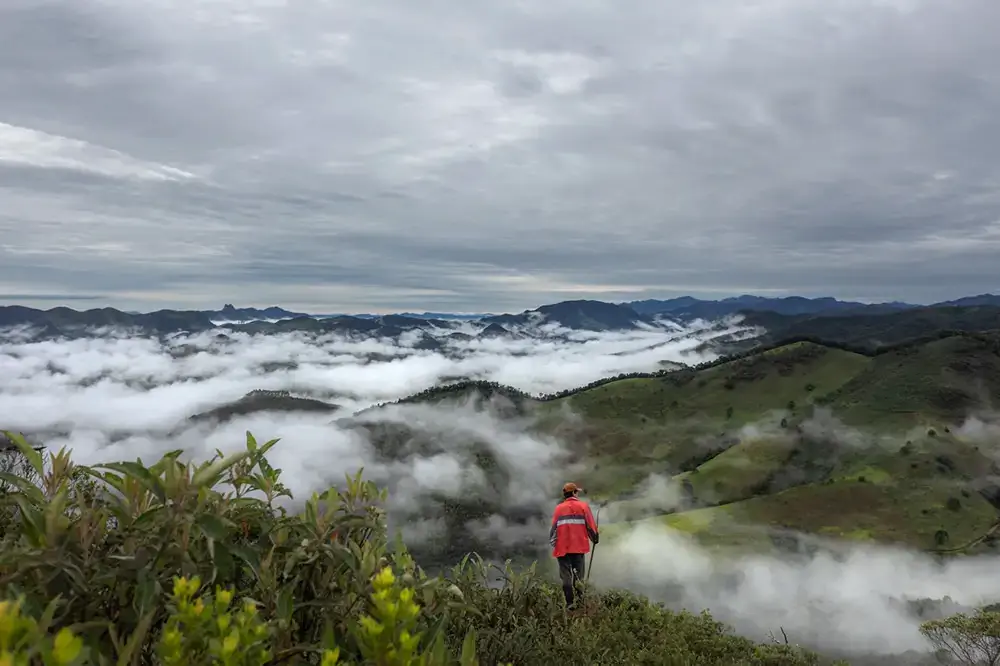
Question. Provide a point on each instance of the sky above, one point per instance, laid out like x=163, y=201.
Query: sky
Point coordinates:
x=447, y=155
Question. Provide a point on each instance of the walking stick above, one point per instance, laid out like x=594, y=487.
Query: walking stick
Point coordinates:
x=590, y=565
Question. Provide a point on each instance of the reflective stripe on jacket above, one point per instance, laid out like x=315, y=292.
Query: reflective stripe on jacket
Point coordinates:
x=573, y=528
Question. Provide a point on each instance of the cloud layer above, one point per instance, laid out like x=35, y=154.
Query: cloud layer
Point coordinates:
x=373, y=156
x=846, y=602
x=113, y=387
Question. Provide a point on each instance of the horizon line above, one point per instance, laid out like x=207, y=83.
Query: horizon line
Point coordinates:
x=456, y=313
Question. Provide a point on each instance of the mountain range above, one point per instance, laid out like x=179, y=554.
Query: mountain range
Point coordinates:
x=687, y=307
x=765, y=320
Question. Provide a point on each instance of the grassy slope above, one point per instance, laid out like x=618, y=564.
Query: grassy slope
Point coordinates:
x=888, y=494
x=936, y=382
x=749, y=434
x=735, y=473
x=646, y=425
x=887, y=512
x=750, y=386
x=637, y=426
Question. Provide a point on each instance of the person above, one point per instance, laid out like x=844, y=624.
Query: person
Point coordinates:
x=573, y=529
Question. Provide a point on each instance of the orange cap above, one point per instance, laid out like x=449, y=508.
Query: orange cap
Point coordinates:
x=571, y=488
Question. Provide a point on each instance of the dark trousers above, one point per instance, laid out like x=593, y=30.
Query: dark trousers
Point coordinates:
x=571, y=573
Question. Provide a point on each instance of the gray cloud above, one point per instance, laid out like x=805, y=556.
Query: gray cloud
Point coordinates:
x=334, y=156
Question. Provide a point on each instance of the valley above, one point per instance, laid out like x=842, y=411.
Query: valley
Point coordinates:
x=896, y=447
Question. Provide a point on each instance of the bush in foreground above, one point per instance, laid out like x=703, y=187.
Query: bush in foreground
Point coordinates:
x=966, y=639
x=128, y=564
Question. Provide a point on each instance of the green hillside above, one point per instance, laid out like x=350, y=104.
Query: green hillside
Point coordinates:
x=675, y=422
x=751, y=386
x=922, y=493
x=740, y=471
x=941, y=381
x=874, y=329
x=922, y=516
x=803, y=438
x=261, y=400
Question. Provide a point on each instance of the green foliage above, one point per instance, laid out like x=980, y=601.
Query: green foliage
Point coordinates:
x=25, y=640
x=204, y=630
x=182, y=563
x=966, y=639
x=522, y=622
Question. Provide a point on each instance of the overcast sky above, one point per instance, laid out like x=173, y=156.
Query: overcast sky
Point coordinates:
x=337, y=155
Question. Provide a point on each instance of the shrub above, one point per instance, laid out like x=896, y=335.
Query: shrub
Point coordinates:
x=178, y=563
x=966, y=639
x=24, y=640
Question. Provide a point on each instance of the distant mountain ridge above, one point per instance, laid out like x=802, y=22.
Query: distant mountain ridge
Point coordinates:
x=826, y=317
x=580, y=314
x=231, y=313
x=688, y=308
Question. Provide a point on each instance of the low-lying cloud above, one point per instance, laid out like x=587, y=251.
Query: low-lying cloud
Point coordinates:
x=843, y=600
x=126, y=383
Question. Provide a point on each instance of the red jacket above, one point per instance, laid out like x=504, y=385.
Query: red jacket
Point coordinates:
x=573, y=528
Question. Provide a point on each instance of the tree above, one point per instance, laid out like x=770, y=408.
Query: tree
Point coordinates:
x=970, y=639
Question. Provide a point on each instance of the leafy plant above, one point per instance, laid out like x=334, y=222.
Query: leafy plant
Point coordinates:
x=25, y=640
x=184, y=563
x=967, y=639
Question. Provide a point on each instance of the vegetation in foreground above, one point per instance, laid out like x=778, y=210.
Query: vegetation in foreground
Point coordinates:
x=131, y=564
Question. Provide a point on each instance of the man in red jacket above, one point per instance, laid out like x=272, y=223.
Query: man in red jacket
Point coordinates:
x=573, y=528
